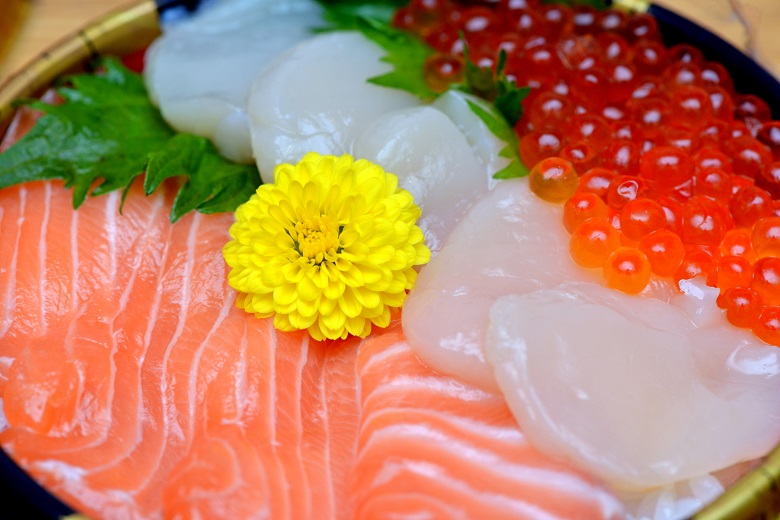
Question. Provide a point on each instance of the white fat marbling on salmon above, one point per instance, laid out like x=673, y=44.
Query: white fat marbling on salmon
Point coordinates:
x=11, y=260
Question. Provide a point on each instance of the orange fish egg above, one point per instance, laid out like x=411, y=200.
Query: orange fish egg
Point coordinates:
x=628, y=270
x=767, y=326
x=766, y=237
x=664, y=250
x=592, y=242
x=766, y=280
x=580, y=207
x=742, y=305
x=553, y=180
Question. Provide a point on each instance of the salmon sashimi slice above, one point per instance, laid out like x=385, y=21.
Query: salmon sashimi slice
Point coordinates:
x=134, y=388
x=432, y=447
x=52, y=258
x=154, y=397
x=278, y=426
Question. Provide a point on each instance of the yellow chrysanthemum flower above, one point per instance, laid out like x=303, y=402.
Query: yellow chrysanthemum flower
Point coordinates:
x=330, y=247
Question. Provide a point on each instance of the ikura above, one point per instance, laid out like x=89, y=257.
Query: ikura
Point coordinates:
x=733, y=271
x=664, y=250
x=582, y=206
x=767, y=326
x=682, y=174
x=766, y=237
x=766, y=280
x=597, y=180
x=738, y=242
x=666, y=166
x=535, y=146
x=627, y=269
x=441, y=70
x=553, y=180
x=640, y=217
x=696, y=262
x=592, y=242
x=742, y=306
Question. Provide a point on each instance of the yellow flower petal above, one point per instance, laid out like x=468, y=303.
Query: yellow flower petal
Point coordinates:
x=328, y=248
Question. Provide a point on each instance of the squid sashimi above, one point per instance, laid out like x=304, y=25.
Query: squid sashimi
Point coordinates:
x=642, y=390
x=201, y=70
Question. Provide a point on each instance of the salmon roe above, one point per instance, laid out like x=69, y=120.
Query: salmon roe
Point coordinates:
x=766, y=280
x=553, y=179
x=580, y=207
x=627, y=269
x=660, y=165
x=664, y=250
x=592, y=242
x=767, y=325
x=765, y=237
x=742, y=305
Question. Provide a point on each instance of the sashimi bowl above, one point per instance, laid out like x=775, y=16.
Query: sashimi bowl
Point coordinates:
x=204, y=454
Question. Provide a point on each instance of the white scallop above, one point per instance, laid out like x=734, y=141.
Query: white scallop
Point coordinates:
x=630, y=388
x=432, y=160
x=486, y=146
x=643, y=391
x=509, y=242
x=200, y=71
x=316, y=98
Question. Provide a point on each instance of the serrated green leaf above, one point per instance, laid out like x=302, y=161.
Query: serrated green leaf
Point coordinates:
x=211, y=185
x=510, y=102
x=405, y=52
x=343, y=14
x=103, y=136
x=499, y=127
x=494, y=86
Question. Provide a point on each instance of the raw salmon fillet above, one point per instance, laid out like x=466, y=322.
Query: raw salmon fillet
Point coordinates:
x=134, y=388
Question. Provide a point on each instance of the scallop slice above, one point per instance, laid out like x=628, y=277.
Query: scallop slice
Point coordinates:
x=486, y=146
x=433, y=160
x=630, y=388
x=509, y=242
x=200, y=71
x=316, y=98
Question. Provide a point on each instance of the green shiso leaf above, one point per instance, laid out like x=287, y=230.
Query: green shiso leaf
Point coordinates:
x=495, y=87
x=499, y=127
x=213, y=185
x=107, y=133
x=343, y=14
x=405, y=52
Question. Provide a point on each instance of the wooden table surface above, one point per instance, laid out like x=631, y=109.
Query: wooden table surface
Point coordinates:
x=49, y=20
x=46, y=22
